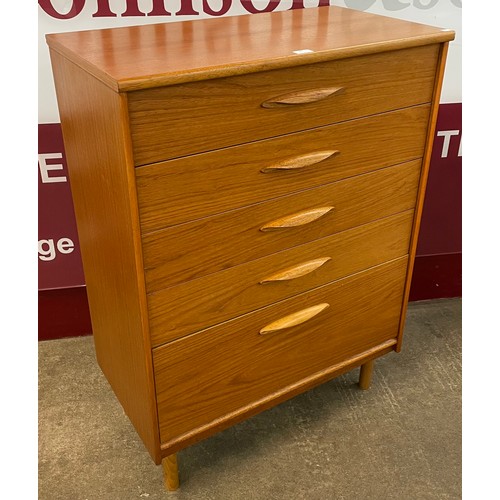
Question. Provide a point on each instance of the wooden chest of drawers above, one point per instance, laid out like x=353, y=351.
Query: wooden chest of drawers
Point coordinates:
x=248, y=193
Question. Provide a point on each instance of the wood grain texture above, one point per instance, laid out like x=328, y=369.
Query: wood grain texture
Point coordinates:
x=205, y=376
x=97, y=145
x=168, y=53
x=190, y=188
x=188, y=251
x=373, y=84
x=183, y=309
x=423, y=184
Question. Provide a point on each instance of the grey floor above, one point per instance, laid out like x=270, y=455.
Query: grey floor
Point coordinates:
x=399, y=440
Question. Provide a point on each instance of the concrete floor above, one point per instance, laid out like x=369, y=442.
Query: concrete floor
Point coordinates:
x=399, y=440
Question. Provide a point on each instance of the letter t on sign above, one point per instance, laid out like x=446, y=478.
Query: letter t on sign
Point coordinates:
x=447, y=134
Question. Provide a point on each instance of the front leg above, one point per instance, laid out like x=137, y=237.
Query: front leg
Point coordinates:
x=170, y=472
x=365, y=375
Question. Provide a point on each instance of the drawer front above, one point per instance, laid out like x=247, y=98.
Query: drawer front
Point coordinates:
x=174, y=121
x=207, y=375
x=197, y=186
x=179, y=310
x=194, y=249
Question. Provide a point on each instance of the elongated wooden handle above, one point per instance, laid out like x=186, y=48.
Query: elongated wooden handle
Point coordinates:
x=302, y=97
x=294, y=319
x=298, y=219
x=296, y=271
x=301, y=161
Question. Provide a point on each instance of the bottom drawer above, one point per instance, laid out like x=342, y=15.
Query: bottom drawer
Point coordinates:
x=207, y=375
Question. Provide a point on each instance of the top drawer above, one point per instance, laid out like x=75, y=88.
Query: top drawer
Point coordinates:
x=174, y=121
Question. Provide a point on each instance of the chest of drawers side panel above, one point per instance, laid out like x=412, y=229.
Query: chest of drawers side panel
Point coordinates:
x=438, y=83
x=97, y=144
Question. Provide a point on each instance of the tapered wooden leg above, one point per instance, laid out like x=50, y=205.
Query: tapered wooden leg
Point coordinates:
x=170, y=472
x=365, y=375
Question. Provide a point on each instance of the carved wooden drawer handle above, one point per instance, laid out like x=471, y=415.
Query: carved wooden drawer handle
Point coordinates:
x=296, y=271
x=302, y=97
x=294, y=319
x=298, y=219
x=300, y=161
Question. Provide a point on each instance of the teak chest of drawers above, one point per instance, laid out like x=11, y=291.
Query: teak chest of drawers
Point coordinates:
x=248, y=193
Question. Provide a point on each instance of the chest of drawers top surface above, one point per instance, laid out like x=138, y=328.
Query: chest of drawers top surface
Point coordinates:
x=146, y=56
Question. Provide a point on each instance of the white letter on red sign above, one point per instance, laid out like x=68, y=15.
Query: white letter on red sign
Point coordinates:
x=45, y=168
x=447, y=134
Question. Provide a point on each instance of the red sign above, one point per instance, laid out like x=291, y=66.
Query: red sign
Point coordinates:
x=441, y=227
x=59, y=259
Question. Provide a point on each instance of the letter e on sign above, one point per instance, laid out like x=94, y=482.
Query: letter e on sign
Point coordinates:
x=65, y=245
x=45, y=168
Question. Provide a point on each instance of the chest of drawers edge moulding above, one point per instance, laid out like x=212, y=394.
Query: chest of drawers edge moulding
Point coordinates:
x=119, y=91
